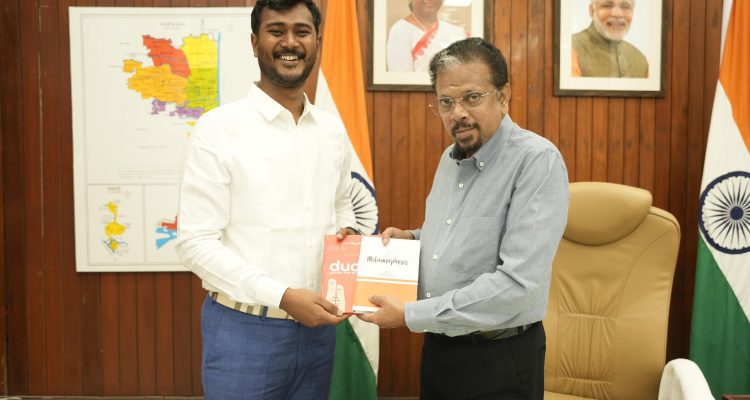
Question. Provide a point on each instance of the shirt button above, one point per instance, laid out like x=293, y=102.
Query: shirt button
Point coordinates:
x=428, y=295
x=460, y=185
x=481, y=163
x=434, y=257
x=448, y=222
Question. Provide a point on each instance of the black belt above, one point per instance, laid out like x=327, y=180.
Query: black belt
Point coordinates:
x=483, y=336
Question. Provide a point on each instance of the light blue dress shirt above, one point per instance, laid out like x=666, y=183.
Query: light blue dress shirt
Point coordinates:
x=492, y=225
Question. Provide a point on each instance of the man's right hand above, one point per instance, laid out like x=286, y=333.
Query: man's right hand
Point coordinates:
x=395, y=233
x=310, y=309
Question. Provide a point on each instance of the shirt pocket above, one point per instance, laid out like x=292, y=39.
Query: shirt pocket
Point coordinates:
x=477, y=241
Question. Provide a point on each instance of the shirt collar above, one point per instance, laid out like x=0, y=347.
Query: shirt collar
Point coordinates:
x=271, y=109
x=489, y=150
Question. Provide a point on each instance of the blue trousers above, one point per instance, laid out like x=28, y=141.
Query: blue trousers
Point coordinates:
x=250, y=357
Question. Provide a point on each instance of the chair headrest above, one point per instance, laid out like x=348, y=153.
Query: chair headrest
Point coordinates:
x=602, y=212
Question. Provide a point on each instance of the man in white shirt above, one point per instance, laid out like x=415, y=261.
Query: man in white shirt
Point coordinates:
x=413, y=40
x=265, y=178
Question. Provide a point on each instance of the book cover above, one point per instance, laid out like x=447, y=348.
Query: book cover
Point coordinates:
x=391, y=270
x=340, y=258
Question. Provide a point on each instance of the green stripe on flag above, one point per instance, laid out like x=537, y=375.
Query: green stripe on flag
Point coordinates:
x=351, y=365
x=720, y=334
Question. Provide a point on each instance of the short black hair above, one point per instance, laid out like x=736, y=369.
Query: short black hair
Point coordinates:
x=471, y=50
x=283, y=5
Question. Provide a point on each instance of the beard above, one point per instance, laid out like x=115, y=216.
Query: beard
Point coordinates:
x=466, y=149
x=615, y=36
x=287, y=80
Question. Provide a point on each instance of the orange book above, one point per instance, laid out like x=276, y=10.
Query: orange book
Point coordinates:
x=340, y=258
x=390, y=270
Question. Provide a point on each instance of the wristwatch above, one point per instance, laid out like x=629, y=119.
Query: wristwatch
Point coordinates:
x=356, y=231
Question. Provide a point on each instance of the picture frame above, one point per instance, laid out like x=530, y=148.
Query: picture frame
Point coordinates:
x=394, y=39
x=582, y=66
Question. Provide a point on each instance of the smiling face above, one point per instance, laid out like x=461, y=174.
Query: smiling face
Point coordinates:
x=286, y=46
x=470, y=128
x=612, y=18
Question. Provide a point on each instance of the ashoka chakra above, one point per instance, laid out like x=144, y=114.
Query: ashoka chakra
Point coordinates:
x=725, y=213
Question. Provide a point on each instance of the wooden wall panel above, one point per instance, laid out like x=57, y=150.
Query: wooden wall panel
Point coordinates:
x=139, y=334
x=584, y=121
x=646, y=146
x=681, y=91
x=535, y=66
x=110, y=333
x=9, y=58
x=3, y=327
x=632, y=141
x=71, y=343
x=551, y=104
x=13, y=127
x=164, y=334
x=181, y=340
x=31, y=113
x=146, y=332
x=599, y=139
x=615, y=113
x=52, y=226
x=517, y=60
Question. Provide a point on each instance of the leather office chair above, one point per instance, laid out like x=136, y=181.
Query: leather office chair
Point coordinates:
x=608, y=310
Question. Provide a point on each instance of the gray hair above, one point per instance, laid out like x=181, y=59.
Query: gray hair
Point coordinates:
x=471, y=50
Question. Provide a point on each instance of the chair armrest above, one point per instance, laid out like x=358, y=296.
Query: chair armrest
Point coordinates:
x=682, y=379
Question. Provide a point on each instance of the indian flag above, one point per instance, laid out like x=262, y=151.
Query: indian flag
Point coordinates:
x=720, y=336
x=341, y=91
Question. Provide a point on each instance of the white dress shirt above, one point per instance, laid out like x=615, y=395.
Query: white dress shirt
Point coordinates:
x=258, y=193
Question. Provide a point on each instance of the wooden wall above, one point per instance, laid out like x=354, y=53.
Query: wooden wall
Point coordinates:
x=138, y=333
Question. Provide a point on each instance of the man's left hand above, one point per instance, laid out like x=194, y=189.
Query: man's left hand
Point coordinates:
x=344, y=232
x=390, y=315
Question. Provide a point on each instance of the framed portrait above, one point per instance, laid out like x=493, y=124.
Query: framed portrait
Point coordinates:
x=609, y=48
x=405, y=34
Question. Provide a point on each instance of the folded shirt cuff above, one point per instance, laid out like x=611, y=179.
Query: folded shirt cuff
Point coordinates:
x=418, y=316
x=269, y=291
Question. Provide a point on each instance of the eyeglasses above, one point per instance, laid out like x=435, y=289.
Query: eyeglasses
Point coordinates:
x=445, y=105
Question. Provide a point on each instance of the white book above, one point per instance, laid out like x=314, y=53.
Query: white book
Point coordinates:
x=391, y=270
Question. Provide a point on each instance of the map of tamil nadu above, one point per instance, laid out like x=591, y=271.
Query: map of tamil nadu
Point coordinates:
x=183, y=82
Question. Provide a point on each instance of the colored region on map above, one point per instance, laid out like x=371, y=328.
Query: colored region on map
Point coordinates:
x=114, y=230
x=162, y=52
x=182, y=82
x=167, y=230
x=156, y=82
x=203, y=57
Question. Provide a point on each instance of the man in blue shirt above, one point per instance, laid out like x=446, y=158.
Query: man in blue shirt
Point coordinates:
x=493, y=221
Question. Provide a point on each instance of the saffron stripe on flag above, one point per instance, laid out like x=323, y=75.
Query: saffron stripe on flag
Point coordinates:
x=341, y=91
x=735, y=68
